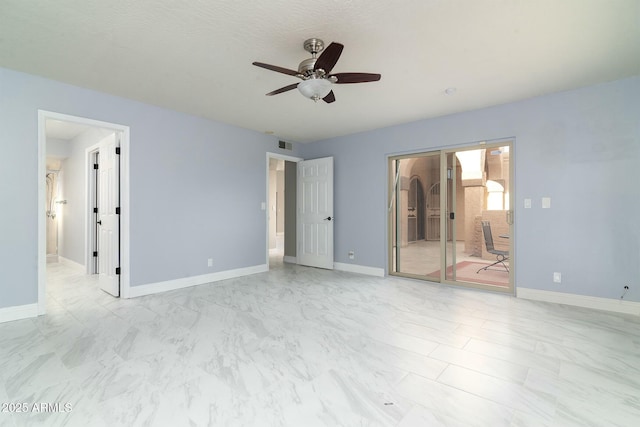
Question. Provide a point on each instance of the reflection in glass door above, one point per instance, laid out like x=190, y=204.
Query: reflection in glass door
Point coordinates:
x=449, y=216
x=414, y=212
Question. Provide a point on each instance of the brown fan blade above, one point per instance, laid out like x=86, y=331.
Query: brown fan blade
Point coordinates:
x=283, y=89
x=329, y=98
x=328, y=58
x=277, y=69
x=344, y=78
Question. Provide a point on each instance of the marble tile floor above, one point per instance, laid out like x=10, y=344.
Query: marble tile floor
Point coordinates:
x=299, y=346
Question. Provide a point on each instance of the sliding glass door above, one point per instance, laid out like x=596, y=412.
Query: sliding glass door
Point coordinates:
x=449, y=216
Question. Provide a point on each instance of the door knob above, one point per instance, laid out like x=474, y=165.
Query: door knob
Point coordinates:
x=328, y=218
x=99, y=222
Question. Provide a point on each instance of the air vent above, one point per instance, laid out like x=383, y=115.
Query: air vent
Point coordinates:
x=285, y=145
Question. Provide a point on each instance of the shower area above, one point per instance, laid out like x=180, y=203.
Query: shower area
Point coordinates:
x=53, y=209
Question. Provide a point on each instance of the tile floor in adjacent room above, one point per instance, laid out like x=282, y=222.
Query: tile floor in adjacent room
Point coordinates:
x=306, y=347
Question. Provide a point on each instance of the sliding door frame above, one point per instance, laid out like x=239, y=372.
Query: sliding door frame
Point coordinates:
x=393, y=203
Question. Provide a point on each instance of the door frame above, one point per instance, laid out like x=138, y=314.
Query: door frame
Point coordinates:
x=43, y=116
x=265, y=204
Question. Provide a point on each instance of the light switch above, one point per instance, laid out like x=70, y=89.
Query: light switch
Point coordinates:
x=263, y=206
x=527, y=203
x=546, y=202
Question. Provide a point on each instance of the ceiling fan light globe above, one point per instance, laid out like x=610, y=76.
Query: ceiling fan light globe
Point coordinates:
x=315, y=88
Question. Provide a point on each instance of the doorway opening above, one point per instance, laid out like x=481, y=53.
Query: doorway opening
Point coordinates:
x=68, y=147
x=280, y=209
x=450, y=217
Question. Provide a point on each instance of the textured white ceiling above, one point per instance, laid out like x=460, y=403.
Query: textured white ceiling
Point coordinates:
x=195, y=56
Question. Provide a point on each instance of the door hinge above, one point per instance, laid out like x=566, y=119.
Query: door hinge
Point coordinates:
x=118, y=270
x=95, y=166
x=117, y=150
x=117, y=211
x=95, y=253
x=95, y=210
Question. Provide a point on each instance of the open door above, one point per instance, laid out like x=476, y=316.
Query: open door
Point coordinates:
x=315, y=213
x=109, y=215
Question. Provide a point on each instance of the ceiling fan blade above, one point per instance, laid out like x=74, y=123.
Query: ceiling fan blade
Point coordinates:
x=344, y=78
x=277, y=69
x=283, y=89
x=328, y=58
x=329, y=98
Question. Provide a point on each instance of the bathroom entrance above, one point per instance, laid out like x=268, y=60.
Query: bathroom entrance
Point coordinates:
x=84, y=200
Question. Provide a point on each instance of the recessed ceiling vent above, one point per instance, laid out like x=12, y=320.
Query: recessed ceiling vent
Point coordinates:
x=285, y=145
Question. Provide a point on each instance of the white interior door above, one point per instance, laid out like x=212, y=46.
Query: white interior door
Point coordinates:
x=109, y=216
x=315, y=213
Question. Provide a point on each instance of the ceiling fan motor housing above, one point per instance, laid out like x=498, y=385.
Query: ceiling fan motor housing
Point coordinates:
x=313, y=46
x=306, y=67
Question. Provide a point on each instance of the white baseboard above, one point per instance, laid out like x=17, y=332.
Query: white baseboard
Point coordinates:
x=290, y=259
x=18, y=312
x=361, y=269
x=170, y=285
x=71, y=264
x=607, y=304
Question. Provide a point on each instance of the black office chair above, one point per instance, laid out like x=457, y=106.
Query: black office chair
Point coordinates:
x=501, y=256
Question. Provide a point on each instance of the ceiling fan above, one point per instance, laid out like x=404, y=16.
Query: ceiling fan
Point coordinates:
x=315, y=72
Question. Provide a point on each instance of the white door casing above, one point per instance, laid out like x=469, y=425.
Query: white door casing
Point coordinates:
x=108, y=218
x=125, y=140
x=315, y=213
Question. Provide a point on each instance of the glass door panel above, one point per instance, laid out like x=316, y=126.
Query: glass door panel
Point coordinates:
x=414, y=212
x=479, y=192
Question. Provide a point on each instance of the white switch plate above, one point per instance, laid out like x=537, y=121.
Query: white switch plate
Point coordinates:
x=557, y=277
x=546, y=202
x=527, y=203
x=210, y=262
x=263, y=206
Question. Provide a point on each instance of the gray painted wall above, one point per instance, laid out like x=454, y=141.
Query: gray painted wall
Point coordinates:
x=196, y=185
x=58, y=148
x=280, y=200
x=580, y=147
x=290, y=179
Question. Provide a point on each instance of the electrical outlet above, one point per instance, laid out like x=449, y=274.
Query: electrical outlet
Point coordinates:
x=210, y=262
x=352, y=255
x=557, y=277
